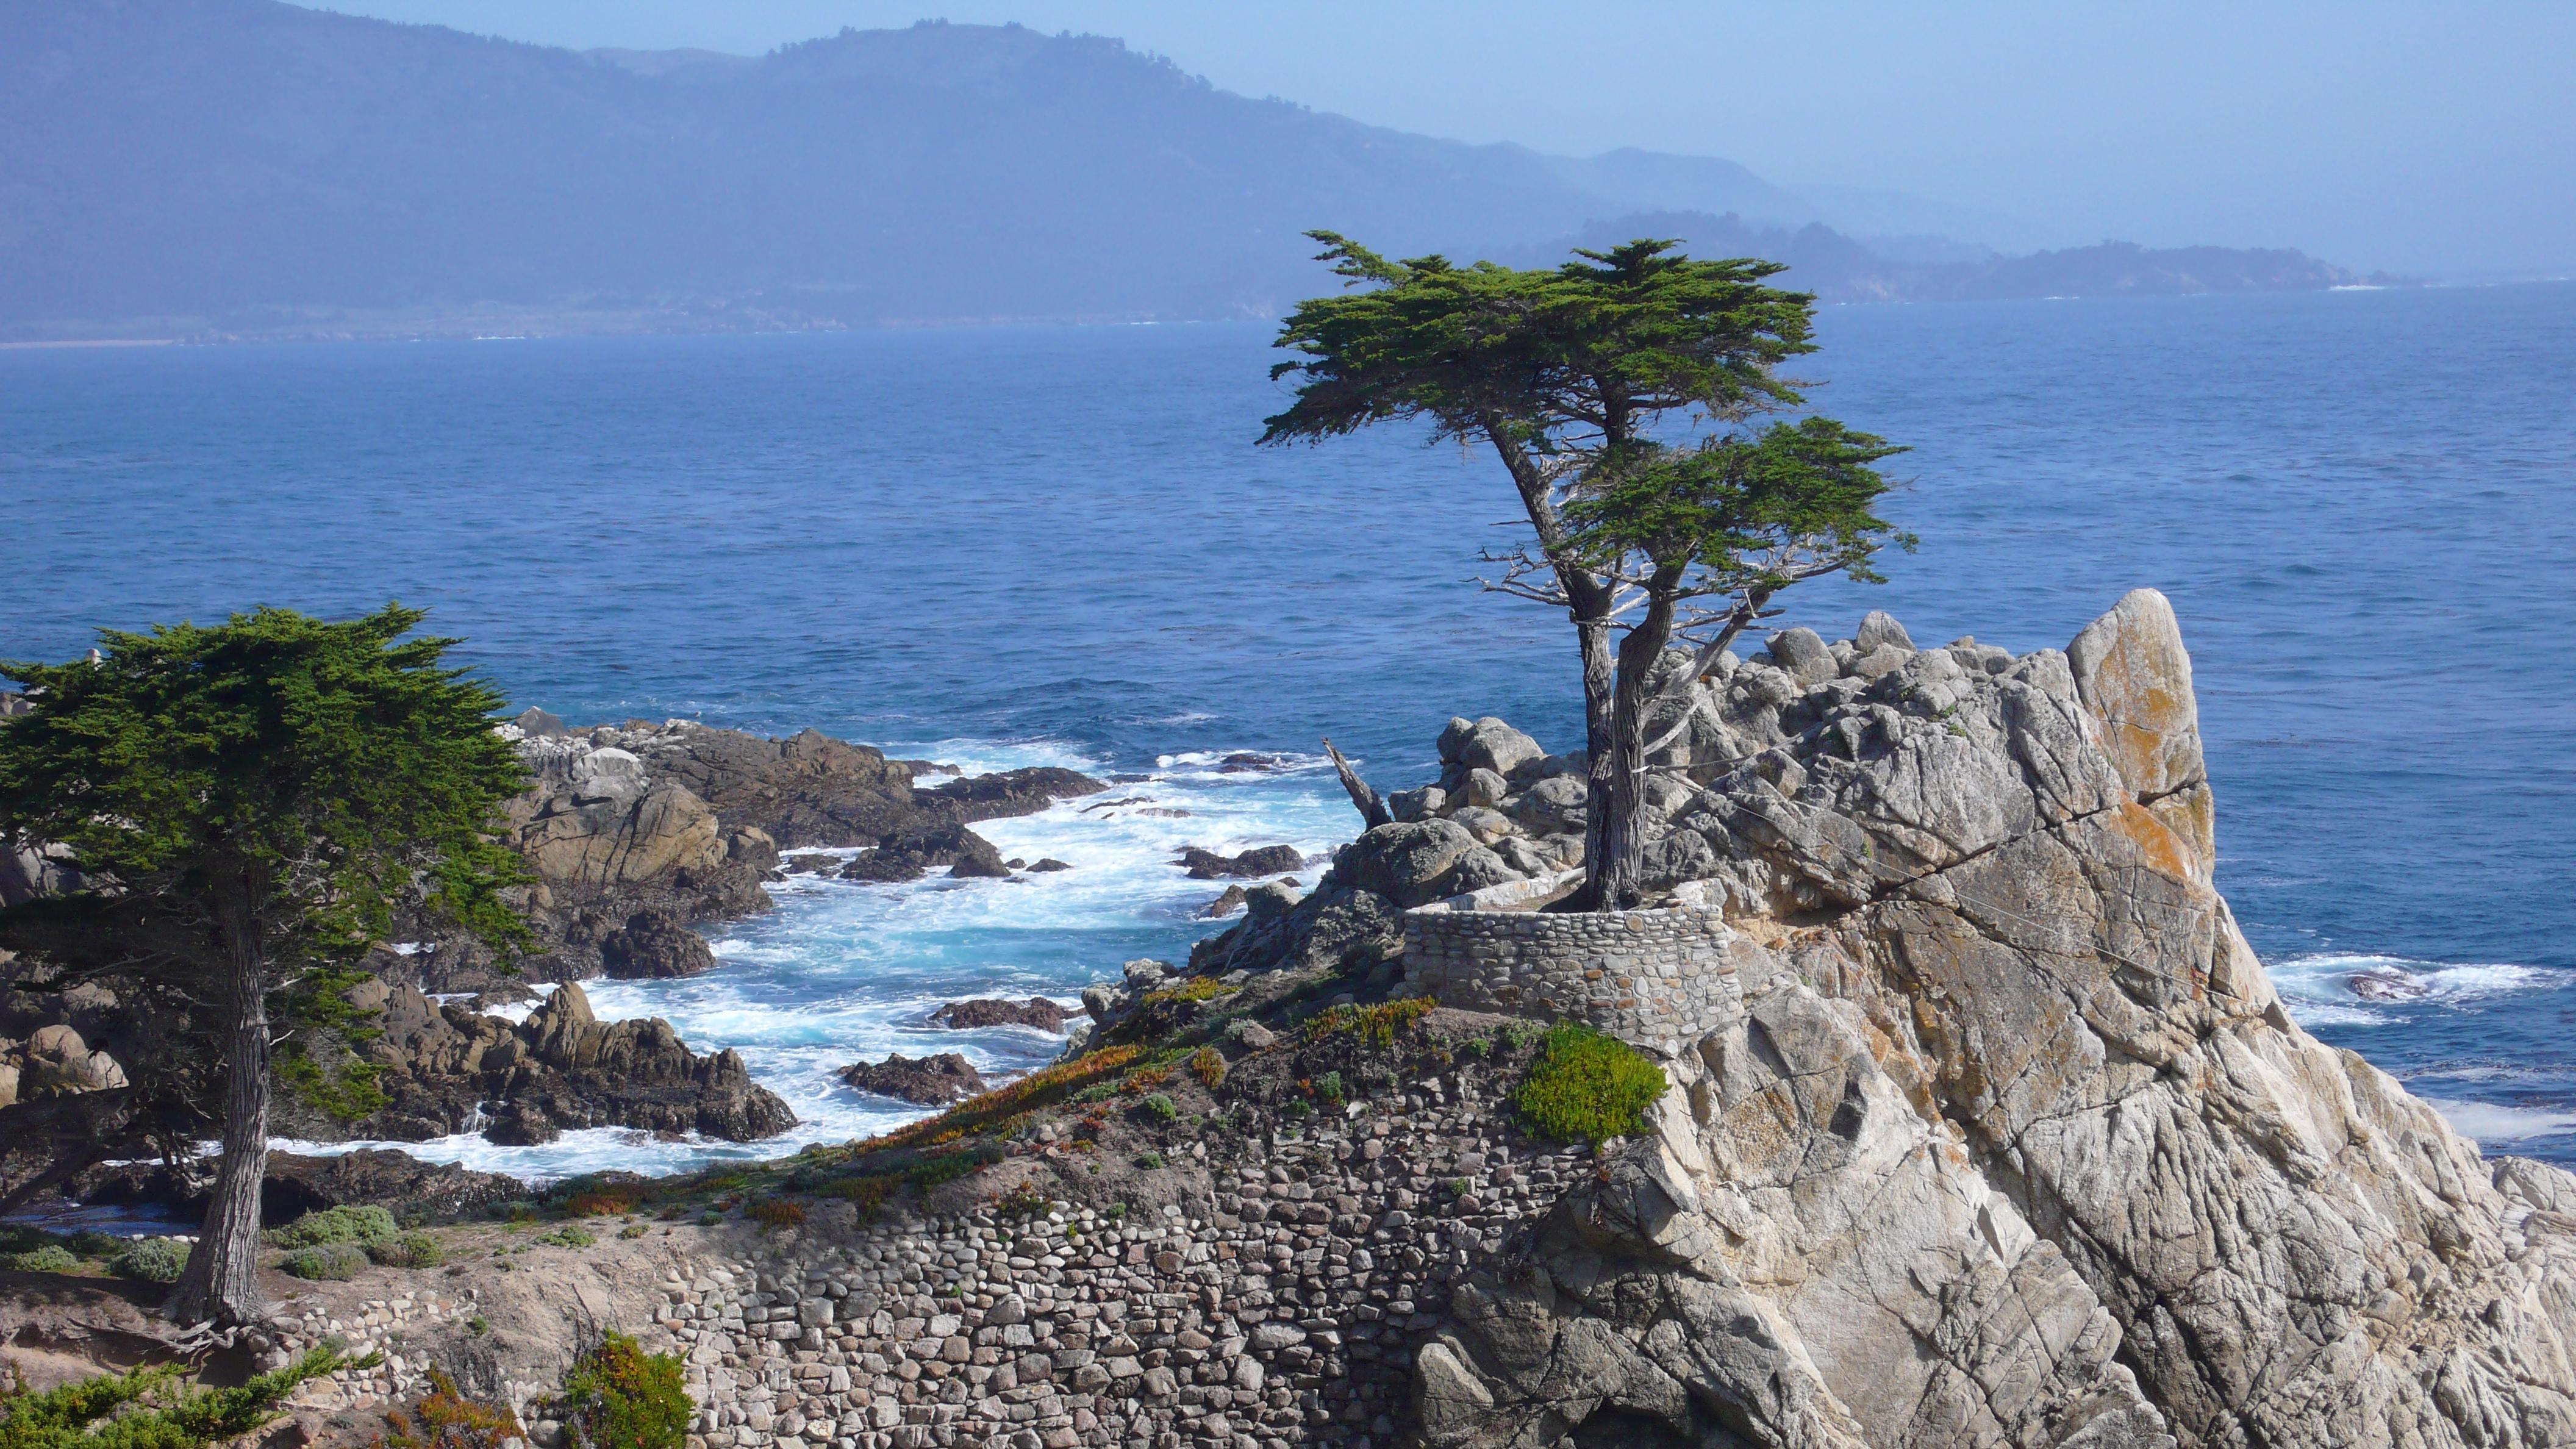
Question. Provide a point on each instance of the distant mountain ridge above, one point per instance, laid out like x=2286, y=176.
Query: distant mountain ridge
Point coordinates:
x=207, y=167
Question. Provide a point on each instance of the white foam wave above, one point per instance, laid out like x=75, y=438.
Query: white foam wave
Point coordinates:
x=2356, y=989
x=2493, y=1122
x=515, y=1011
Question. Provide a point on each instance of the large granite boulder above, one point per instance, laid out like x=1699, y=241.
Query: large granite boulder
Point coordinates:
x=2013, y=1142
x=607, y=824
x=1488, y=743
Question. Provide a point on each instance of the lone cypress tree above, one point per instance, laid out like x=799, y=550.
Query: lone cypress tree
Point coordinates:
x=249, y=805
x=1573, y=375
x=1700, y=539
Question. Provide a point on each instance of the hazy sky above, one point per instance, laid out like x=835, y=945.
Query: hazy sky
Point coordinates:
x=2415, y=137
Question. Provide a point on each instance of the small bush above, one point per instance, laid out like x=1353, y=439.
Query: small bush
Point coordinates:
x=1328, y=1089
x=1197, y=988
x=19, y=1238
x=1149, y=1160
x=1160, y=1108
x=148, y=1408
x=326, y=1262
x=601, y=1204
x=1209, y=1065
x=1023, y=1201
x=617, y=1396
x=152, y=1260
x=710, y=1218
x=51, y=1258
x=570, y=1235
x=777, y=1212
x=447, y=1419
x=1377, y=1025
x=1586, y=1087
x=359, y=1225
x=869, y=1193
x=91, y=1243
x=408, y=1250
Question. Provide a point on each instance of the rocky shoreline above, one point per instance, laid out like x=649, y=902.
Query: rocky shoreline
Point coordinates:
x=635, y=833
x=1978, y=1123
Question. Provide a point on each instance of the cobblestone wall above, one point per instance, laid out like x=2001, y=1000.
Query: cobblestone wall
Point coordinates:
x=1288, y=1315
x=1656, y=978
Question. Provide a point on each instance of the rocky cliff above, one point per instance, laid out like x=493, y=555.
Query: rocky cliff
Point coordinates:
x=2010, y=1140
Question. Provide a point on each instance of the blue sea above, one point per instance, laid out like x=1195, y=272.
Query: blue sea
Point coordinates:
x=1001, y=547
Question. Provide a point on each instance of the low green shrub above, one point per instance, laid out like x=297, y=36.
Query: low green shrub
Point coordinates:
x=152, y=1260
x=407, y=1250
x=568, y=1236
x=1586, y=1087
x=617, y=1396
x=446, y=1419
x=359, y=1225
x=91, y=1243
x=148, y=1408
x=325, y=1262
x=1161, y=1108
x=51, y=1258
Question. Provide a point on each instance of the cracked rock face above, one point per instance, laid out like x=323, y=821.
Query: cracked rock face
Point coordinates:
x=2013, y=1143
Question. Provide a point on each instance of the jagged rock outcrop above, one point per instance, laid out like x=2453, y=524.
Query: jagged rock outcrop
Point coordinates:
x=636, y=831
x=448, y=1069
x=2014, y=1143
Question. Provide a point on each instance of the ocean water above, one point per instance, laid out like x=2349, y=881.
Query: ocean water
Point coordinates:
x=1003, y=547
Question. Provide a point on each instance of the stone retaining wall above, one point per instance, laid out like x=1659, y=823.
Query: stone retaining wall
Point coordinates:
x=1282, y=1309
x=1658, y=979
x=1287, y=1314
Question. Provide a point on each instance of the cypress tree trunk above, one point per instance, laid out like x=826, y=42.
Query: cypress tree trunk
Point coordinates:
x=1600, y=743
x=1619, y=879
x=222, y=1277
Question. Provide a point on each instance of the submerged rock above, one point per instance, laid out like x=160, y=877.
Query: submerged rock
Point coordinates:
x=1037, y=1011
x=1262, y=860
x=930, y=1082
x=914, y=853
